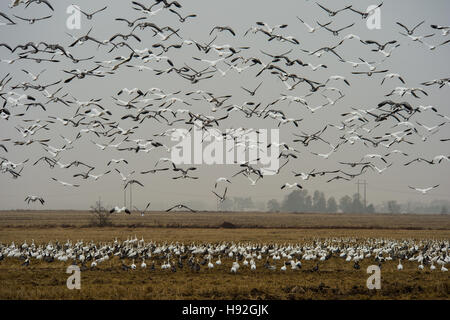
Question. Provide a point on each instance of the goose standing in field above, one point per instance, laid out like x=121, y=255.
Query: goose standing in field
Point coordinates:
x=235, y=266
x=210, y=265
x=399, y=266
x=432, y=267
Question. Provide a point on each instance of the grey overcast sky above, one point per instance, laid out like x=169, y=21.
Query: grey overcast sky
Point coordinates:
x=412, y=60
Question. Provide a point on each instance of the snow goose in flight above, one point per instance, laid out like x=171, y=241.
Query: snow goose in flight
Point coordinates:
x=224, y=28
x=429, y=129
x=103, y=146
x=391, y=76
x=96, y=177
x=314, y=68
x=124, y=177
x=66, y=184
x=445, y=29
x=221, y=198
x=221, y=179
x=29, y=199
x=410, y=31
x=180, y=17
x=130, y=23
x=365, y=14
x=425, y=108
x=440, y=158
x=290, y=186
x=424, y=190
x=180, y=206
x=143, y=211
x=396, y=151
x=311, y=29
x=119, y=210
x=130, y=91
x=324, y=155
x=33, y=76
x=131, y=182
x=417, y=38
x=433, y=47
x=117, y=161
x=372, y=156
x=337, y=77
x=336, y=32
x=89, y=16
x=332, y=13
x=32, y=20
x=212, y=63
x=303, y=175
x=9, y=23
x=270, y=29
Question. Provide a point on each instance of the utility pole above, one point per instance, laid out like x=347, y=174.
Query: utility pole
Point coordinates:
x=131, y=199
x=365, y=194
x=124, y=196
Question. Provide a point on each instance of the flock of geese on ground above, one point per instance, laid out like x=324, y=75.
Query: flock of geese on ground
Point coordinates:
x=111, y=124
x=426, y=254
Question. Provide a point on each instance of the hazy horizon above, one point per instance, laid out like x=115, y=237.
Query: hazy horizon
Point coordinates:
x=412, y=60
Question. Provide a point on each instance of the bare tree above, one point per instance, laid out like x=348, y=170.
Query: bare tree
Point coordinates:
x=101, y=217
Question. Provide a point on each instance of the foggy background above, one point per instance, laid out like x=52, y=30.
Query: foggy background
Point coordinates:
x=412, y=60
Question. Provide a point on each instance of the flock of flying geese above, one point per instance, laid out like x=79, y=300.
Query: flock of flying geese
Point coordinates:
x=109, y=129
x=426, y=254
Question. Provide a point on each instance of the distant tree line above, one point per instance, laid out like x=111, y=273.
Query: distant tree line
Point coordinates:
x=436, y=206
x=301, y=201
x=241, y=204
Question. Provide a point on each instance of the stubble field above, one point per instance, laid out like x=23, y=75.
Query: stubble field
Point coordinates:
x=336, y=278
